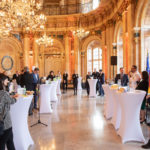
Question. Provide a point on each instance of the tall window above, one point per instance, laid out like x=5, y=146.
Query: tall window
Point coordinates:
x=94, y=59
x=95, y=4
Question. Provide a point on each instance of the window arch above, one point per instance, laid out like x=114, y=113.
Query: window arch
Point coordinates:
x=94, y=56
x=95, y=3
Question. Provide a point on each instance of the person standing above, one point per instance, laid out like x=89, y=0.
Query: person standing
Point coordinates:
x=65, y=81
x=6, y=138
x=88, y=76
x=122, y=77
x=135, y=77
x=75, y=83
x=51, y=76
x=95, y=75
x=17, y=77
x=35, y=83
x=26, y=80
x=101, y=80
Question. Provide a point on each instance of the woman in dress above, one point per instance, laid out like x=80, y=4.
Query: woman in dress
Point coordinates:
x=143, y=85
x=6, y=139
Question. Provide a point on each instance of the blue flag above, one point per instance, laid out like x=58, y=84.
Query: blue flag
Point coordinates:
x=147, y=63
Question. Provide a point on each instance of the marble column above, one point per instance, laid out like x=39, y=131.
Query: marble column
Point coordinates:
x=35, y=51
x=130, y=25
x=136, y=56
x=42, y=56
x=83, y=73
x=67, y=63
x=125, y=42
x=76, y=53
x=26, y=48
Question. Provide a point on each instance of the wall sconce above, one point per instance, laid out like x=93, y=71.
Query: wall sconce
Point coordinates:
x=136, y=32
x=114, y=46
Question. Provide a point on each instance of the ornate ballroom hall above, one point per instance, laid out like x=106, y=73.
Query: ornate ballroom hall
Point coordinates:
x=77, y=37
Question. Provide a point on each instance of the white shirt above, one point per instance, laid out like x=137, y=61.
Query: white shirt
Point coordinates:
x=136, y=77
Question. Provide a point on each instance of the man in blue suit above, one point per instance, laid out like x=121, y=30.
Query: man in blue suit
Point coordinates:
x=123, y=77
x=35, y=82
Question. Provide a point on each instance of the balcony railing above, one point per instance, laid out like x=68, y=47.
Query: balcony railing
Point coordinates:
x=68, y=9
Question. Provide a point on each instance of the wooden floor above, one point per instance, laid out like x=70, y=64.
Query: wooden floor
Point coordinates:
x=77, y=123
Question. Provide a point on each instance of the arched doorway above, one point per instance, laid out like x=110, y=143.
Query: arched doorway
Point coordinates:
x=94, y=56
x=54, y=58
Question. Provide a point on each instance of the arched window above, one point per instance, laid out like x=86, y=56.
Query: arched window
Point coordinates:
x=94, y=59
x=95, y=3
x=145, y=37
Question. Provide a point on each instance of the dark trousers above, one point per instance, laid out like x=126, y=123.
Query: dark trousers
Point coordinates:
x=101, y=91
x=65, y=86
x=88, y=88
x=7, y=140
x=35, y=96
x=75, y=85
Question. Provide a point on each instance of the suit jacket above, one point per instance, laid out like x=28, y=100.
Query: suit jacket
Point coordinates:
x=65, y=77
x=75, y=78
x=124, y=80
x=27, y=81
x=50, y=77
x=95, y=75
x=101, y=78
x=36, y=80
x=143, y=85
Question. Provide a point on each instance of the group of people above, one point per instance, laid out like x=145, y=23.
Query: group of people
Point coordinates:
x=100, y=76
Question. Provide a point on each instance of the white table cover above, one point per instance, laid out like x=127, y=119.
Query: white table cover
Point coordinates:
x=92, y=84
x=108, y=110
x=19, y=115
x=53, y=94
x=45, y=103
x=79, y=83
x=116, y=118
x=58, y=87
x=130, y=128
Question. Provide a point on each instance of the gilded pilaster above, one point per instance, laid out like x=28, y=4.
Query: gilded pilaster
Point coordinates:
x=26, y=48
x=35, y=51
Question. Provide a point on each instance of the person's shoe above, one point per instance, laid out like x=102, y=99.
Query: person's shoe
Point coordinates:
x=146, y=146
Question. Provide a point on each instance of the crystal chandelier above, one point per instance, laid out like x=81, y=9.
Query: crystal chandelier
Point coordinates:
x=80, y=32
x=45, y=40
x=23, y=14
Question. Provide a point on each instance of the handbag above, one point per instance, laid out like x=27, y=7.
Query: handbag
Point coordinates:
x=2, y=124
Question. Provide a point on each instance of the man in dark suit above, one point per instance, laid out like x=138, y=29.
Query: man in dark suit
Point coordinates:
x=65, y=81
x=101, y=80
x=95, y=74
x=88, y=76
x=123, y=77
x=17, y=77
x=35, y=82
x=75, y=83
x=26, y=80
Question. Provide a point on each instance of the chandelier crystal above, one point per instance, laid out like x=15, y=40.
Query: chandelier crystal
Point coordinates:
x=45, y=40
x=23, y=14
x=81, y=33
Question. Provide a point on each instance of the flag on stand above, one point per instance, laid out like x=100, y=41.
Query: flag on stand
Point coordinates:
x=147, y=63
x=148, y=70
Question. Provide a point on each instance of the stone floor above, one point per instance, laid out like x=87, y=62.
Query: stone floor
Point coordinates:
x=77, y=123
